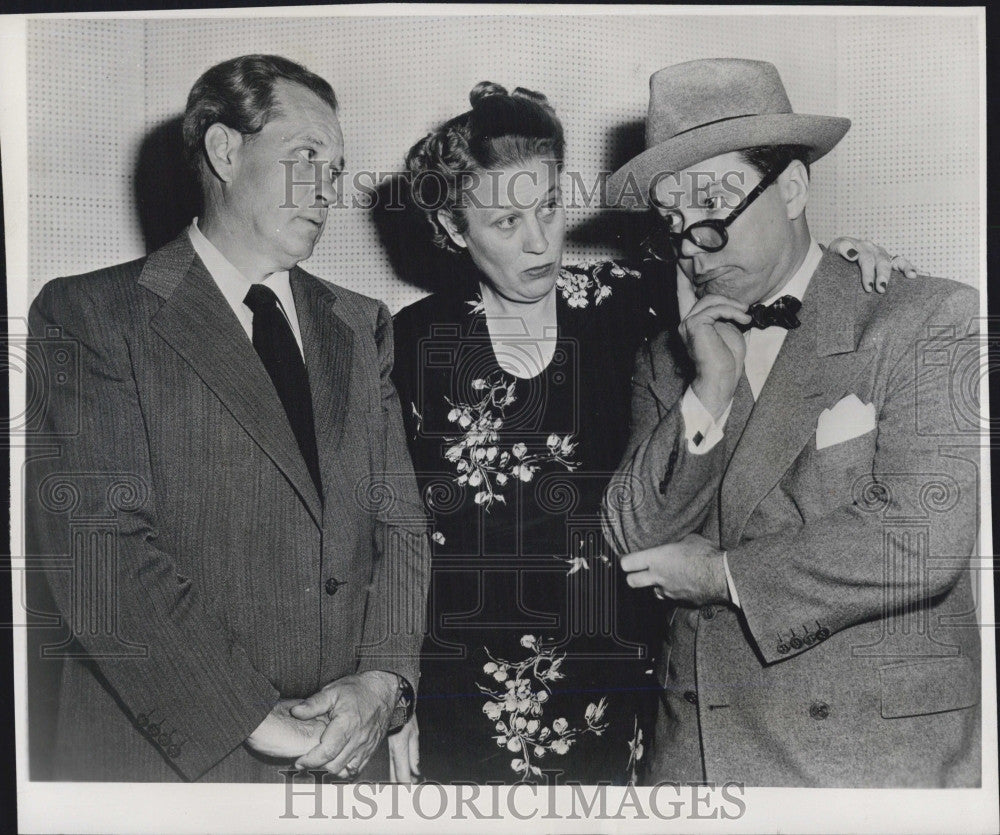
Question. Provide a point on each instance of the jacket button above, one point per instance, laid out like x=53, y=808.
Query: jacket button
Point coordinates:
x=691, y=696
x=783, y=648
x=332, y=585
x=153, y=730
x=819, y=710
x=708, y=612
x=822, y=633
x=174, y=751
x=142, y=720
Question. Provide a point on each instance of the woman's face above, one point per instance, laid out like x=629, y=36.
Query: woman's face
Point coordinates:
x=516, y=226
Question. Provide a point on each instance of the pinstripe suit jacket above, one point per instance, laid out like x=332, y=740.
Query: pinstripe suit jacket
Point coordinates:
x=200, y=574
x=853, y=659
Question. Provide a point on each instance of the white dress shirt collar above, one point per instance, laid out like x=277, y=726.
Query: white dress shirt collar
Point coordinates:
x=764, y=345
x=234, y=285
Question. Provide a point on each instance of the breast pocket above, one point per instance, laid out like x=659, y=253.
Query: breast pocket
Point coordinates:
x=845, y=469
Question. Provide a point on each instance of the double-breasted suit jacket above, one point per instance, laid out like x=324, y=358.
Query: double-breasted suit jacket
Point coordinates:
x=853, y=656
x=200, y=573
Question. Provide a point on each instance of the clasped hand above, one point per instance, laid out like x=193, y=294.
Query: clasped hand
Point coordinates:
x=690, y=571
x=336, y=729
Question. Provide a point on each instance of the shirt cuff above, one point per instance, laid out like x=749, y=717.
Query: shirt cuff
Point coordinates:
x=729, y=580
x=701, y=430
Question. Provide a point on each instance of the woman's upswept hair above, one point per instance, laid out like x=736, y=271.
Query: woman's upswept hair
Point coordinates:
x=500, y=131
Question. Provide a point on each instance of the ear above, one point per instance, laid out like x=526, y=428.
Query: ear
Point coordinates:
x=794, y=186
x=222, y=145
x=446, y=219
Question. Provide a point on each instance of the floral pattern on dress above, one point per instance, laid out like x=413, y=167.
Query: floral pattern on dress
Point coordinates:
x=517, y=709
x=582, y=563
x=481, y=462
x=635, y=752
x=581, y=283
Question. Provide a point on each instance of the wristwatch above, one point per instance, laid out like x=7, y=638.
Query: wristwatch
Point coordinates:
x=404, y=706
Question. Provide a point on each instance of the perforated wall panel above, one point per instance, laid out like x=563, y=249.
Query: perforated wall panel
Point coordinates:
x=908, y=172
x=85, y=119
x=905, y=175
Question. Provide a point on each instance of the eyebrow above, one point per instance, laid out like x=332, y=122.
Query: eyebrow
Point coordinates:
x=307, y=137
x=504, y=207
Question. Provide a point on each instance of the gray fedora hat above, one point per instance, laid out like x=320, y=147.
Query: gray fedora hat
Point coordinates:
x=700, y=109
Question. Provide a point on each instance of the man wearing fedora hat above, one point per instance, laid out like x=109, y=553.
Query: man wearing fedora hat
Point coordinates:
x=801, y=478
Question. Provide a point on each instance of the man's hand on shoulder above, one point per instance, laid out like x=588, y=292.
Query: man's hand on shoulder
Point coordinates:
x=689, y=571
x=717, y=349
x=357, y=710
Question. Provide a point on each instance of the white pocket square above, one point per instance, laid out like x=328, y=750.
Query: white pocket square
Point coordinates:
x=848, y=419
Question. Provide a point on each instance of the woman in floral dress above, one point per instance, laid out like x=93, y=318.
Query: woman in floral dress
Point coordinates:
x=515, y=388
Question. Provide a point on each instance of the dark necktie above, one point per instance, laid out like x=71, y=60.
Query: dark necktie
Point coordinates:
x=781, y=313
x=276, y=346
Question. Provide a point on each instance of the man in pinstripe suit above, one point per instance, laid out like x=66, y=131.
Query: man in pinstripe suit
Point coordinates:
x=221, y=495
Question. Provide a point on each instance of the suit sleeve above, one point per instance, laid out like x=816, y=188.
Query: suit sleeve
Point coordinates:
x=396, y=614
x=403, y=372
x=661, y=491
x=856, y=562
x=90, y=463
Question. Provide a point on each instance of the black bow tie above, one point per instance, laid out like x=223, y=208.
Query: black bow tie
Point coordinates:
x=780, y=313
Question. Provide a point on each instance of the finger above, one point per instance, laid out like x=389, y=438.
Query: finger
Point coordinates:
x=903, y=265
x=883, y=268
x=348, y=772
x=845, y=247
x=356, y=752
x=714, y=315
x=642, y=579
x=637, y=561
x=399, y=761
x=414, y=750
x=713, y=299
x=352, y=758
x=867, y=263
x=334, y=749
x=316, y=705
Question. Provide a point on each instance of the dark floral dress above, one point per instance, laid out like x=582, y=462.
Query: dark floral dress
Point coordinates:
x=536, y=655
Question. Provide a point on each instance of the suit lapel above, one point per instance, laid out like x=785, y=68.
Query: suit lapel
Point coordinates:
x=328, y=346
x=743, y=404
x=815, y=367
x=198, y=323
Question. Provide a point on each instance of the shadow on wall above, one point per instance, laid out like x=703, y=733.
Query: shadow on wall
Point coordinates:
x=168, y=197
x=166, y=191
x=616, y=232
x=406, y=235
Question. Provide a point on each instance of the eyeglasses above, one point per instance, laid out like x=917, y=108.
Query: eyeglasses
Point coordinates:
x=709, y=235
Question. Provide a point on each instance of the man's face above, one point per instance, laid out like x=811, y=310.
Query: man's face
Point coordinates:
x=302, y=144
x=753, y=264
